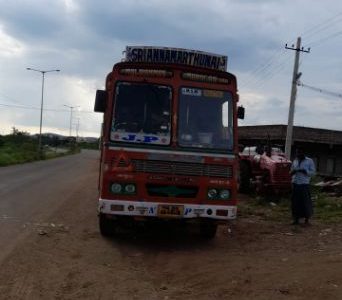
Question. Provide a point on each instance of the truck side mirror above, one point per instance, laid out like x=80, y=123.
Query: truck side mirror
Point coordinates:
x=100, y=101
x=241, y=112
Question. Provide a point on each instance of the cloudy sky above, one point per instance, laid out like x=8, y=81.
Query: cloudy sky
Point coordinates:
x=85, y=38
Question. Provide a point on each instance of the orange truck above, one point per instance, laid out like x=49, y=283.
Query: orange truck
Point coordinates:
x=169, y=148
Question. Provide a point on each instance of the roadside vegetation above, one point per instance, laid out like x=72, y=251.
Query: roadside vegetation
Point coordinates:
x=327, y=207
x=86, y=145
x=20, y=147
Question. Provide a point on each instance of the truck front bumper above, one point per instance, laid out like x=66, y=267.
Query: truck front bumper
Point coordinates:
x=150, y=209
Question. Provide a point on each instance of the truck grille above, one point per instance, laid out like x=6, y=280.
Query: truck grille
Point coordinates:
x=171, y=191
x=182, y=168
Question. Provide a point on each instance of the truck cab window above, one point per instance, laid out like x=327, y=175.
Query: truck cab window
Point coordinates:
x=142, y=114
x=205, y=119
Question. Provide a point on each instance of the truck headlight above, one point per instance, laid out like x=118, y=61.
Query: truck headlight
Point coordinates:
x=212, y=193
x=116, y=188
x=224, y=194
x=130, y=188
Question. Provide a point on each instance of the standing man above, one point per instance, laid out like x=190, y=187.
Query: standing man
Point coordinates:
x=301, y=170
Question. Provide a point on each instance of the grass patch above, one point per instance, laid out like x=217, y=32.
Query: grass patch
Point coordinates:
x=327, y=209
x=265, y=209
x=16, y=154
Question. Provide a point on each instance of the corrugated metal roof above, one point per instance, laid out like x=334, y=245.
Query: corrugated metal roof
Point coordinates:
x=303, y=134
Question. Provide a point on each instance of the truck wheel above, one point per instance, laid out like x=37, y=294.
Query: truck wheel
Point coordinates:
x=208, y=229
x=245, y=177
x=107, y=226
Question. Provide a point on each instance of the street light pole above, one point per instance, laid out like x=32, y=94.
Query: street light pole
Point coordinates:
x=71, y=109
x=41, y=104
x=77, y=128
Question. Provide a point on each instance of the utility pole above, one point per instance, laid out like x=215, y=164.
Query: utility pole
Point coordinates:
x=295, y=78
x=77, y=128
x=71, y=109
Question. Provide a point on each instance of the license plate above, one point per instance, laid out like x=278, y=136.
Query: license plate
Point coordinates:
x=170, y=210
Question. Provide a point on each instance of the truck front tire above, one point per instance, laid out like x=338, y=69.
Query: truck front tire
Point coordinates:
x=106, y=225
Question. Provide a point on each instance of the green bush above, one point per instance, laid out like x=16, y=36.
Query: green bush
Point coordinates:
x=19, y=147
x=6, y=159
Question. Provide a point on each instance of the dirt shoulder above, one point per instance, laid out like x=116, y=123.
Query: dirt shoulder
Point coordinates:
x=66, y=258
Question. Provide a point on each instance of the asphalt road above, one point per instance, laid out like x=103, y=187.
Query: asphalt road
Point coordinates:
x=30, y=192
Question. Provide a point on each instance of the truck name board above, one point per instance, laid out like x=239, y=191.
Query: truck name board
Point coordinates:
x=176, y=56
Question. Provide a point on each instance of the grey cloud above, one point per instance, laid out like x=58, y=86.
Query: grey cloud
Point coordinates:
x=86, y=42
x=32, y=20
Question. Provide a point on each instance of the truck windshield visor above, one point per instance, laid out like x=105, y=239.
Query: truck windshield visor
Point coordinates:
x=142, y=114
x=205, y=119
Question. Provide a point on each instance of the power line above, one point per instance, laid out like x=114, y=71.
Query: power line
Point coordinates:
x=318, y=42
x=316, y=89
x=256, y=76
x=6, y=96
x=263, y=68
x=37, y=108
x=275, y=70
x=19, y=106
x=322, y=26
x=266, y=75
x=265, y=65
x=270, y=66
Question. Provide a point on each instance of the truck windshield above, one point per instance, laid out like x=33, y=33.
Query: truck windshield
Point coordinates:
x=142, y=114
x=205, y=119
